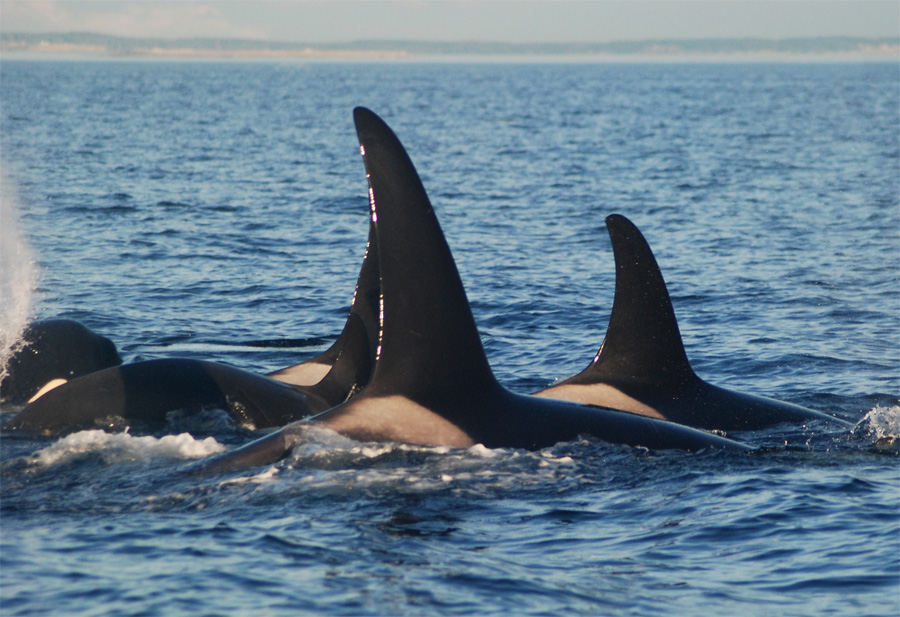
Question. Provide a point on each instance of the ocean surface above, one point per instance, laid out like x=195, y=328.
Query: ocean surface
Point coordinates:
x=218, y=210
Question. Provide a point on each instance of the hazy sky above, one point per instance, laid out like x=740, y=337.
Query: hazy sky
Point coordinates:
x=497, y=20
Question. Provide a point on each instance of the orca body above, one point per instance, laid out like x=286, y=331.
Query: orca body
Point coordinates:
x=642, y=366
x=55, y=350
x=432, y=383
x=145, y=392
x=142, y=393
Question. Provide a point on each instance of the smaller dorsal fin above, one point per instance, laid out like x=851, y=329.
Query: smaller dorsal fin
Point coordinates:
x=643, y=344
x=353, y=354
x=366, y=305
x=351, y=369
x=429, y=342
x=365, y=310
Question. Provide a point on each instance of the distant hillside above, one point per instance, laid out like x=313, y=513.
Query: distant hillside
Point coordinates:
x=100, y=44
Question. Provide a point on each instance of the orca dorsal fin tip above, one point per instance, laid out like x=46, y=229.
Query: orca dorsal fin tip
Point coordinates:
x=617, y=219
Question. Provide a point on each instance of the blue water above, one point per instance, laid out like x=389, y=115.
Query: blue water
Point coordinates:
x=189, y=209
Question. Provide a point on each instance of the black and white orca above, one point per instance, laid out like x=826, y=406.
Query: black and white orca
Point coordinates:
x=432, y=383
x=642, y=366
x=141, y=394
x=54, y=351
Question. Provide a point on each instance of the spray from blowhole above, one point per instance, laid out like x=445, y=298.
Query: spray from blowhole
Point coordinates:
x=18, y=276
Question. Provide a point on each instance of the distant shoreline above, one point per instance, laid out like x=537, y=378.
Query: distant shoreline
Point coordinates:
x=74, y=54
x=90, y=45
x=190, y=53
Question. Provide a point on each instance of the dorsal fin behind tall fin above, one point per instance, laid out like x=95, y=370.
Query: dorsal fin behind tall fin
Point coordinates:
x=643, y=344
x=353, y=354
x=429, y=341
x=367, y=296
x=351, y=369
x=364, y=310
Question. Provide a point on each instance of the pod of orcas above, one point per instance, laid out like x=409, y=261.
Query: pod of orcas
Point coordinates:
x=409, y=365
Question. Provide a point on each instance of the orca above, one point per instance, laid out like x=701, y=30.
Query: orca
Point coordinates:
x=642, y=366
x=143, y=393
x=432, y=384
x=54, y=351
x=360, y=333
x=140, y=394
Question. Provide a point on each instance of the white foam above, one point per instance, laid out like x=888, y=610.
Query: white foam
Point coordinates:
x=326, y=461
x=373, y=451
x=548, y=459
x=480, y=451
x=18, y=277
x=880, y=423
x=122, y=446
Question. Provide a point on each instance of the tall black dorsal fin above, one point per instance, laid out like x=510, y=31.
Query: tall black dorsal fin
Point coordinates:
x=643, y=344
x=429, y=342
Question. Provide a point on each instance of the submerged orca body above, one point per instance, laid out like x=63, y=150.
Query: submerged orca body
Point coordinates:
x=145, y=392
x=642, y=366
x=432, y=384
x=54, y=350
x=142, y=393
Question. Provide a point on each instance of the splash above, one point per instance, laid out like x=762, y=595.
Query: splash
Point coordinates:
x=882, y=425
x=122, y=446
x=18, y=277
